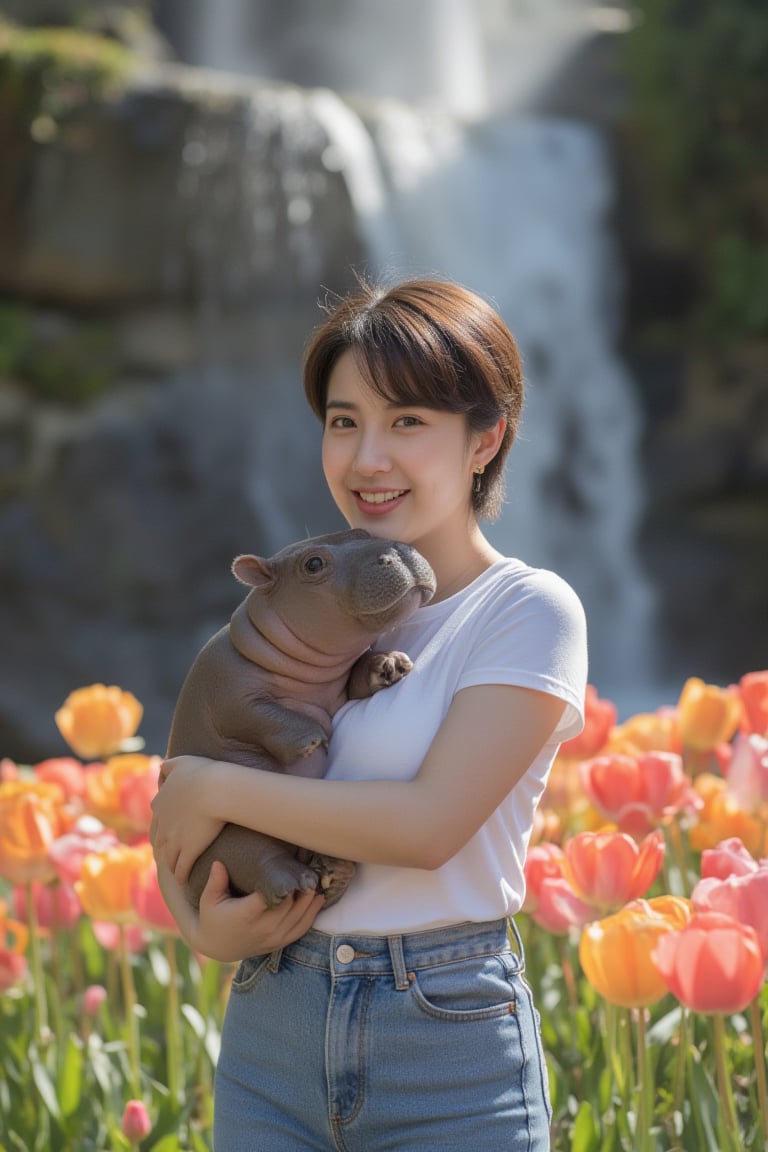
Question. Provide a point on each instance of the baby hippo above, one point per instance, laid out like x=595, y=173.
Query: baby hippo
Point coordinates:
x=263, y=690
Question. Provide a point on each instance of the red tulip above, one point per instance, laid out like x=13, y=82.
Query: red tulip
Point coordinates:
x=745, y=898
x=599, y=719
x=753, y=690
x=714, y=964
x=148, y=901
x=65, y=771
x=550, y=899
x=56, y=905
x=638, y=792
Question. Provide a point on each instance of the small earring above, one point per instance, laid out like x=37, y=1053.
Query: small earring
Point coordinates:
x=477, y=484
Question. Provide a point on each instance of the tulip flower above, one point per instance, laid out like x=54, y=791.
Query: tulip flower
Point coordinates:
x=120, y=793
x=608, y=869
x=136, y=1122
x=550, y=899
x=8, y=769
x=721, y=817
x=56, y=905
x=105, y=882
x=615, y=952
x=745, y=898
x=646, y=732
x=747, y=773
x=31, y=818
x=93, y=998
x=65, y=771
x=88, y=835
x=599, y=718
x=97, y=721
x=14, y=937
x=638, y=792
x=148, y=901
x=713, y=965
x=707, y=715
x=753, y=690
x=728, y=858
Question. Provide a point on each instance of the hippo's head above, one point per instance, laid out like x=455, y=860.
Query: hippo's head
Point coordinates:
x=330, y=587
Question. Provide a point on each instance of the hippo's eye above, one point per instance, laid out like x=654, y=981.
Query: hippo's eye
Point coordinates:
x=313, y=565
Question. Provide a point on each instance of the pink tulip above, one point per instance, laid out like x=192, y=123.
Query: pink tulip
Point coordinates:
x=748, y=771
x=713, y=965
x=638, y=792
x=136, y=1122
x=87, y=835
x=13, y=969
x=745, y=898
x=108, y=935
x=65, y=771
x=93, y=998
x=57, y=906
x=148, y=902
x=728, y=858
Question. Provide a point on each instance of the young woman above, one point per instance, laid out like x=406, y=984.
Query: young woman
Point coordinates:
x=399, y=1018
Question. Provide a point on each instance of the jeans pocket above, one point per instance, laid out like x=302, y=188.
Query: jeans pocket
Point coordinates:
x=466, y=990
x=249, y=973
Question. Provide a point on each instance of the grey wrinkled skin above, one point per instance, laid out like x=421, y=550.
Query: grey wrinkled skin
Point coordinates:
x=262, y=692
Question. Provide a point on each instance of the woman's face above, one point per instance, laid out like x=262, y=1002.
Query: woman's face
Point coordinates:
x=399, y=471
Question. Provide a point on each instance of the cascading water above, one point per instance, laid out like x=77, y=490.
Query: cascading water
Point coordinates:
x=518, y=209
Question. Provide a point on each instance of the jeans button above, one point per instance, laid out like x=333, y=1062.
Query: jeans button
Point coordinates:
x=345, y=953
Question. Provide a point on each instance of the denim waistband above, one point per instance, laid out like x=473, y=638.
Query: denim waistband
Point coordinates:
x=351, y=954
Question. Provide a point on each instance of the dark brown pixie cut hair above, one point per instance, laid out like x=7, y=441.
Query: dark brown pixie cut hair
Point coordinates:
x=432, y=344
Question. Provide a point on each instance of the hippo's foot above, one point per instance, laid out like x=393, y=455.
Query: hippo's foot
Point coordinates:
x=333, y=876
x=386, y=668
x=284, y=877
x=311, y=746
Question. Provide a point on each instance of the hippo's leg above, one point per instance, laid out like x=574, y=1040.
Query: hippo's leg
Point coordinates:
x=333, y=875
x=376, y=670
x=255, y=863
x=286, y=734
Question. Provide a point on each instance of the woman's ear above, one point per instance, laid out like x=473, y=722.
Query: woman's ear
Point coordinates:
x=489, y=442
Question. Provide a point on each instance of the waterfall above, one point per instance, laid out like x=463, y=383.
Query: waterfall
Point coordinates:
x=518, y=209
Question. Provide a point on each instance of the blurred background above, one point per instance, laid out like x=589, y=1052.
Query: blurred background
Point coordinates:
x=184, y=184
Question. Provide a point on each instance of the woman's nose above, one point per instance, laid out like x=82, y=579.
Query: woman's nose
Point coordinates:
x=371, y=456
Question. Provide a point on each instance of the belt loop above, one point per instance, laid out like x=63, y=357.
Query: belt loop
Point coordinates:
x=273, y=963
x=518, y=941
x=398, y=962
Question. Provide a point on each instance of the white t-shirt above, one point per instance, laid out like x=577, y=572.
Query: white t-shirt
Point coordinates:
x=513, y=625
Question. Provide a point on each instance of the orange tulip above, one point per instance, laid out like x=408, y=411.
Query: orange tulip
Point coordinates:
x=615, y=953
x=97, y=721
x=14, y=937
x=608, y=868
x=646, y=732
x=714, y=964
x=599, y=719
x=753, y=691
x=119, y=793
x=707, y=715
x=722, y=818
x=106, y=882
x=31, y=818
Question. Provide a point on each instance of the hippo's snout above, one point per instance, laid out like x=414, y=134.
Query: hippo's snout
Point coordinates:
x=395, y=582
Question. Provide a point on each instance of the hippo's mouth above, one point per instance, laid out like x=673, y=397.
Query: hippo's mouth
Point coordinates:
x=399, y=607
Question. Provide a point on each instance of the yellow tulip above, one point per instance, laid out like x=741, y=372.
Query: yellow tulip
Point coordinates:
x=615, y=953
x=31, y=818
x=97, y=721
x=106, y=882
x=707, y=715
x=119, y=793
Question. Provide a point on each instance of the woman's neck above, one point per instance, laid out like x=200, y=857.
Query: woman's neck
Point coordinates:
x=456, y=567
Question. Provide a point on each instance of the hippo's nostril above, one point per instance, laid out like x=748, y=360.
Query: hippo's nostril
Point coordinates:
x=386, y=560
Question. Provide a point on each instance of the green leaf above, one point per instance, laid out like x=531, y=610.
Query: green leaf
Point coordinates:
x=45, y=1087
x=71, y=1077
x=586, y=1130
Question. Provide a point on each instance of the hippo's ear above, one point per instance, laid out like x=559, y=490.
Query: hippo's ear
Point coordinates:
x=254, y=571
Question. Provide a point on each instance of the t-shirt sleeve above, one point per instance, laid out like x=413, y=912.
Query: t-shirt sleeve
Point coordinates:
x=533, y=634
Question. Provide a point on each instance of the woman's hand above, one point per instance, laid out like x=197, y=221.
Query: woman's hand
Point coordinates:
x=229, y=928
x=182, y=824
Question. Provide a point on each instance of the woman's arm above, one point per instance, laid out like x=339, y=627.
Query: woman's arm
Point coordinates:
x=230, y=928
x=485, y=744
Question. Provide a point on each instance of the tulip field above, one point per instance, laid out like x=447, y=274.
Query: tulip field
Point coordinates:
x=645, y=928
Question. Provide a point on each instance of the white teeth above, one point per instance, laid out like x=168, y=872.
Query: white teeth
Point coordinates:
x=381, y=497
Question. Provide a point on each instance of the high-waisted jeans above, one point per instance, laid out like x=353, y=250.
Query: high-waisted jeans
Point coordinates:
x=427, y=1042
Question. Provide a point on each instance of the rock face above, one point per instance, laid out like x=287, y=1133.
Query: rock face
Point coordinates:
x=166, y=246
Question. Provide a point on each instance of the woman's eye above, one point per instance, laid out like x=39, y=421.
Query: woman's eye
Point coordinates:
x=341, y=422
x=408, y=422
x=313, y=565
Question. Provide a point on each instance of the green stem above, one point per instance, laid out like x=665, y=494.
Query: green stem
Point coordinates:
x=644, y=1107
x=131, y=1018
x=173, y=1036
x=38, y=978
x=758, y=1043
x=681, y=1061
x=727, y=1108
